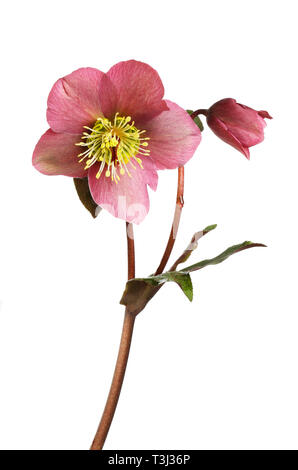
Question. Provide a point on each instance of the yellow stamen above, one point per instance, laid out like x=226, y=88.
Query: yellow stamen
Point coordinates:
x=113, y=144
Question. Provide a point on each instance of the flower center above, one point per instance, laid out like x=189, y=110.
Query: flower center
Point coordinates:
x=115, y=145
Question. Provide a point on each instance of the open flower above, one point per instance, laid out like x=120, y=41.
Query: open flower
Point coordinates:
x=236, y=124
x=117, y=130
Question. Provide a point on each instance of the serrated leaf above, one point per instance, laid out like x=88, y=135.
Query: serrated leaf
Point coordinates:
x=196, y=120
x=83, y=191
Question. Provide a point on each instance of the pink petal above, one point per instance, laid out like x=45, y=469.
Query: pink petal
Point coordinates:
x=78, y=99
x=57, y=154
x=128, y=199
x=174, y=137
x=223, y=132
x=140, y=89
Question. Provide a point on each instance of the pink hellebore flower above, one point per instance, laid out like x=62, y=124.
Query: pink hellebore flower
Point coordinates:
x=236, y=124
x=117, y=130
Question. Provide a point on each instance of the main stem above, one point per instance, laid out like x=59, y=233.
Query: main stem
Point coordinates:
x=176, y=221
x=129, y=319
x=125, y=342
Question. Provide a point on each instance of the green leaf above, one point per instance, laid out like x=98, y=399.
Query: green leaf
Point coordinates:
x=83, y=191
x=139, y=291
x=222, y=257
x=196, y=120
x=209, y=228
x=183, y=281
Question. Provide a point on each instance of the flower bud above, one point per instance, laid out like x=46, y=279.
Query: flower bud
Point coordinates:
x=236, y=124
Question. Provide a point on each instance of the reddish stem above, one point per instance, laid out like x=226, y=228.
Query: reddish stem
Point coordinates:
x=120, y=368
x=199, y=111
x=130, y=251
x=176, y=221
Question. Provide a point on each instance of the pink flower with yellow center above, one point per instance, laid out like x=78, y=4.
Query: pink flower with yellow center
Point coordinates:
x=117, y=130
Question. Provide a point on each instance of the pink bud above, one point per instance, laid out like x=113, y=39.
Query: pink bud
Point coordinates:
x=236, y=124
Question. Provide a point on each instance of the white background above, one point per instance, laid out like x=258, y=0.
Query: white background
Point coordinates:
x=217, y=373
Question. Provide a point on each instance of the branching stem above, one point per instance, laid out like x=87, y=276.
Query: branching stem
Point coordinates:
x=176, y=222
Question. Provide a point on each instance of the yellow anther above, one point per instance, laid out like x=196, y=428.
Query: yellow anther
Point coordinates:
x=120, y=134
